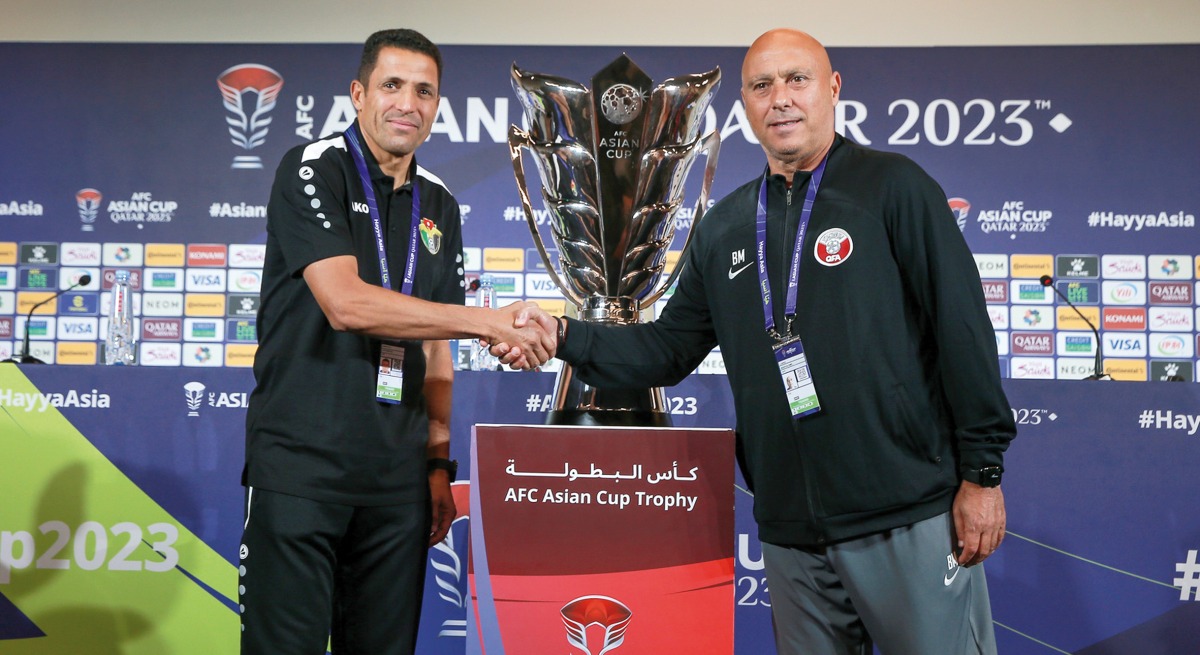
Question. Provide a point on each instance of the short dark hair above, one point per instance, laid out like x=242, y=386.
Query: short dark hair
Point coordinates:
x=404, y=39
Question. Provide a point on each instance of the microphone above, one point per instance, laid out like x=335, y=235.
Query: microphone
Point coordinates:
x=1098, y=371
x=26, y=358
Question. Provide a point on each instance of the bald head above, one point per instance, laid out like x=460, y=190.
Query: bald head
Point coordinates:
x=786, y=40
x=790, y=92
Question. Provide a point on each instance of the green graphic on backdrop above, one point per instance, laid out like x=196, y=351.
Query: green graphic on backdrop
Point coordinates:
x=90, y=559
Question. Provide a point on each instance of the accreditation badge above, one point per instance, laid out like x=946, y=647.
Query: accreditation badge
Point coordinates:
x=389, y=384
x=797, y=378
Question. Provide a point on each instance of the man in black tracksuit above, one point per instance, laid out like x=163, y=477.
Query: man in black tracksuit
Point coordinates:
x=347, y=434
x=871, y=508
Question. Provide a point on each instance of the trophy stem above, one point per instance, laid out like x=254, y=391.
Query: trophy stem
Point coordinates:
x=576, y=402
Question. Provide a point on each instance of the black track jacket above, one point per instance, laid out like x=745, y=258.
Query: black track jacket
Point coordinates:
x=896, y=332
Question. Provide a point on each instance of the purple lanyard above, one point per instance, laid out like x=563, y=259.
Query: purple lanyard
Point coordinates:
x=764, y=283
x=410, y=267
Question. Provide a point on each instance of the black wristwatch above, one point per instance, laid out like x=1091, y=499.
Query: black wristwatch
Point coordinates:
x=448, y=465
x=988, y=476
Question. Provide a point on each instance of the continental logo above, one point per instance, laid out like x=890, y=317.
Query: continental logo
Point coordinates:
x=27, y=299
x=240, y=355
x=1129, y=370
x=207, y=254
x=504, y=259
x=671, y=261
x=83, y=353
x=204, y=304
x=553, y=307
x=1031, y=265
x=165, y=254
x=8, y=254
x=1069, y=320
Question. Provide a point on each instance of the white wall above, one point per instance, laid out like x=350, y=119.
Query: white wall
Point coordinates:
x=609, y=22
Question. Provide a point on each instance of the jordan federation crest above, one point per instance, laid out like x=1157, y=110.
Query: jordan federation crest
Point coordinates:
x=431, y=236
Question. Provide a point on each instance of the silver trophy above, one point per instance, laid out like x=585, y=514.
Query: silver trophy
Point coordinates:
x=613, y=163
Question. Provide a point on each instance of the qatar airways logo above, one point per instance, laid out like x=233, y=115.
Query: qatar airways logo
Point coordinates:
x=1032, y=343
x=1170, y=293
x=249, y=91
x=995, y=292
x=169, y=329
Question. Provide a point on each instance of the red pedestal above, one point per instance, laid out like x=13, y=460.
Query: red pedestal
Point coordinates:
x=595, y=540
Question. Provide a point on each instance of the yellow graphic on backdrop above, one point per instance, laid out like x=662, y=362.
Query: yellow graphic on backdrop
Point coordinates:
x=88, y=557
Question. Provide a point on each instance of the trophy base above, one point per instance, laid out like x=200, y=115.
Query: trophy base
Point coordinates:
x=609, y=418
x=577, y=403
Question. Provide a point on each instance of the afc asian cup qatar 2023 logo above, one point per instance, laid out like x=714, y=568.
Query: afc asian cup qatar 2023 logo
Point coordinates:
x=88, y=201
x=961, y=208
x=249, y=91
x=610, y=614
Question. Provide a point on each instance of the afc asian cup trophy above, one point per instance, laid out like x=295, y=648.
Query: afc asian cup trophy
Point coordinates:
x=613, y=161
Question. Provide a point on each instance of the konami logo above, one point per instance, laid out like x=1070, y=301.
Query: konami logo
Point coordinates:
x=206, y=254
x=1124, y=318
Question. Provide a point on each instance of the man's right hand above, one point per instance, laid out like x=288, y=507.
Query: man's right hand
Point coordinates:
x=527, y=316
x=526, y=336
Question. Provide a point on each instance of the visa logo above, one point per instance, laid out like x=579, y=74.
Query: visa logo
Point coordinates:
x=201, y=279
x=78, y=328
x=1124, y=345
x=542, y=285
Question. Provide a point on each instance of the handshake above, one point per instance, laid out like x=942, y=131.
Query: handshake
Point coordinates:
x=522, y=336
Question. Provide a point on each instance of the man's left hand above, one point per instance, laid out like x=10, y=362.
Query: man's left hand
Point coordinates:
x=979, y=522
x=441, y=500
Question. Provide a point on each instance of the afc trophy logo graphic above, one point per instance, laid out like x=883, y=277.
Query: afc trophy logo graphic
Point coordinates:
x=609, y=613
x=961, y=209
x=88, y=201
x=194, y=393
x=249, y=91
